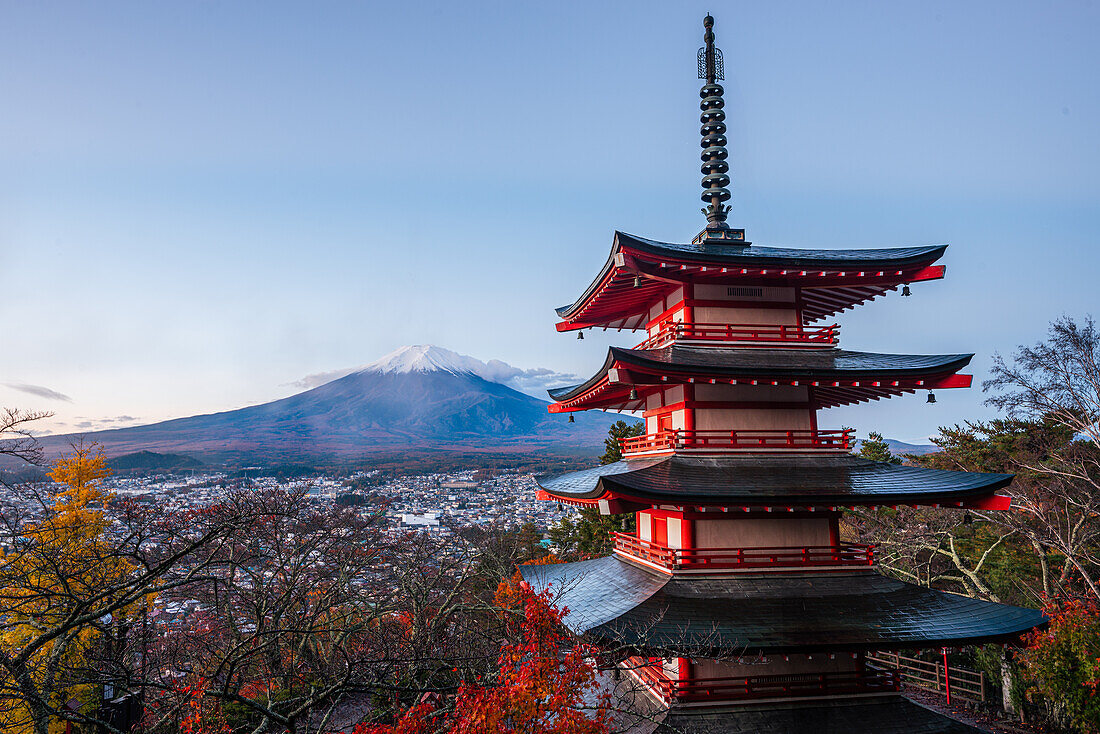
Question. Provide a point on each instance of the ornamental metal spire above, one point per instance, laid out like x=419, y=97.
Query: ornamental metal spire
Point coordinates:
x=714, y=168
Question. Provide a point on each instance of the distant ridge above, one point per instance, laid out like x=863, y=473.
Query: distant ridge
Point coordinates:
x=900, y=448
x=147, y=462
x=422, y=398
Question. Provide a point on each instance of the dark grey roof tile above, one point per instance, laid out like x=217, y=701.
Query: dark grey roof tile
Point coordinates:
x=626, y=605
x=763, y=479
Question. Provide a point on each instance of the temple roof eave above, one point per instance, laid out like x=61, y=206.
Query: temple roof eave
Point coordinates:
x=759, y=481
x=725, y=256
x=619, y=603
x=789, y=364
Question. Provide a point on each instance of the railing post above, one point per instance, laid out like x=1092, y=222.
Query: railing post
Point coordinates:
x=946, y=677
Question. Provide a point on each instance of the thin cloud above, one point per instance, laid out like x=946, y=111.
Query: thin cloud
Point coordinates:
x=321, y=378
x=39, y=391
x=534, y=381
x=102, y=424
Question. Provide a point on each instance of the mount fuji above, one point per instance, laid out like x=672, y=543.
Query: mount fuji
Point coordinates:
x=417, y=397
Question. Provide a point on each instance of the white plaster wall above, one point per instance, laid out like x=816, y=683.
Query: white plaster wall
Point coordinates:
x=717, y=315
x=678, y=419
x=675, y=533
x=762, y=533
x=746, y=393
x=747, y=419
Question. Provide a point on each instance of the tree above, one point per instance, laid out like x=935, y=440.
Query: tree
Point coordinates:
x=16, y=439
x=1063, y=665
x=72, y=586
x=284, y=623
x=588, y=533
x=1056, y=383
x=58, y=562
x=545, y=683
x=619, y=430
x=875, y=448
x=1048, y=530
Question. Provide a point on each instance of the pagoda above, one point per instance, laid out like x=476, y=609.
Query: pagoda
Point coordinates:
x=736, y=602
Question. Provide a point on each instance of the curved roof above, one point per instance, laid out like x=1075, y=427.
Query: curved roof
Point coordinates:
x=680, y=363
x=766, y=480
x=852, y=276
x=880, y=714
x=755, y=255
x=806, y=364
x=609, y=599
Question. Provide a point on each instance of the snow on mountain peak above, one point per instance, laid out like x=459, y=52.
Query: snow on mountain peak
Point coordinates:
x=430, y=358
x=425, y=358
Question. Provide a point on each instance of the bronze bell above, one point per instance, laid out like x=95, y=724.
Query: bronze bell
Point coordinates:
x=931, y=396
x=905, y=291
x=637, y=281
x=580, y=334
x=633, y=394
x=571, y=418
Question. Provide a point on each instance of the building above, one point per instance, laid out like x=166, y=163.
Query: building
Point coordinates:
x=741, y=606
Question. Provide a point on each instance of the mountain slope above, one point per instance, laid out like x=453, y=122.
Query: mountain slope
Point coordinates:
x=422, y=397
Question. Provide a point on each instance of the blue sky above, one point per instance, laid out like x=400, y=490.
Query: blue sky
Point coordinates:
x=200, y=203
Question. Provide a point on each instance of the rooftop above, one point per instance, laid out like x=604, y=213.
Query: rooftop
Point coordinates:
x=622, y=604
x=832, y=280
x=837, y=376
x=772, y=480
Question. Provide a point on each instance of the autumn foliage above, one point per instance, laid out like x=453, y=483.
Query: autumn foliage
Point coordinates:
x=1063, y=664
x=545, y=684
x=57, y=564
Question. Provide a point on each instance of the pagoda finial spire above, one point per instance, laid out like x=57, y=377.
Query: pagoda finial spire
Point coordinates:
x=714, y=168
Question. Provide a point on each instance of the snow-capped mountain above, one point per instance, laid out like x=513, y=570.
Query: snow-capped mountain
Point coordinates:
x=416, y=397
x=430, y=358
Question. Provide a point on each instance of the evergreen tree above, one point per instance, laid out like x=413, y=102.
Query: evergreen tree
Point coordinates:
x=588, y=533
x=875, y=448
x=619, y=430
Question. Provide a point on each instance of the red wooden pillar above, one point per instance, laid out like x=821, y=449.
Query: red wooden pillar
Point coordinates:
x=687, y=539
x=689, y=410
x=689, y=303
x=946, y=677
x=683, y=674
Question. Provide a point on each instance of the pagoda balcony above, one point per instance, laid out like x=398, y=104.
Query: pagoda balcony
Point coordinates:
x=732, y=560
x=701, y=691
x=769, y=335
x=718, y=441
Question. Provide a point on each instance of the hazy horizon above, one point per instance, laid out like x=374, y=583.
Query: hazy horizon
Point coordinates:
x=201, y=204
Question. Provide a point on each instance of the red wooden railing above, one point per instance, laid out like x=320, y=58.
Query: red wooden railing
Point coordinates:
x=672, y=331
x=743, y=440
x=869, y=680
x=844, y=554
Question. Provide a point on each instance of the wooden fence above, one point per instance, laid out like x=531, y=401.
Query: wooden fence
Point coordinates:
x=932, y=675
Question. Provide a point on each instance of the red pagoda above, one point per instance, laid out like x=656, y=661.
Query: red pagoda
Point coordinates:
x=741, y=607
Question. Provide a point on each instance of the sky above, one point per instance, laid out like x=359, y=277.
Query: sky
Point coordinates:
x=201, y=203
